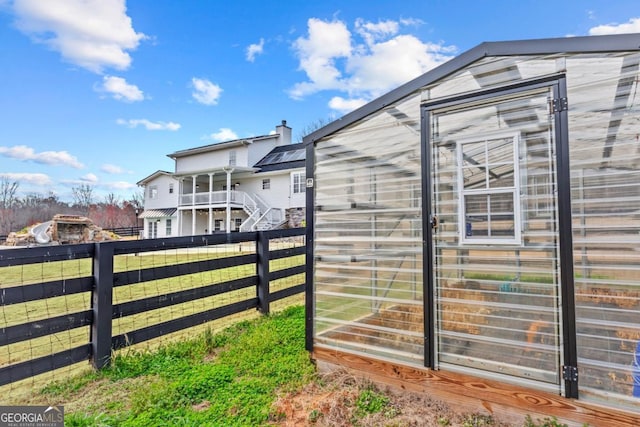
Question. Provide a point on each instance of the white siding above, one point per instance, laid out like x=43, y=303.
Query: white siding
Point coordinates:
x=160, y=227
x=211, y=160
x=279, y=194
x=163, y=198
x=261, y=148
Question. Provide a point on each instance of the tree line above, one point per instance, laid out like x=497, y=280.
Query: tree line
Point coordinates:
x=17, y=212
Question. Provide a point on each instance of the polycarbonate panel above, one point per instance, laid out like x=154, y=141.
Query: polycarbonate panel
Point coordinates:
x=368, y=237
x=604, y=156
x=604, y=120
x=497, y=303
x=605, y=174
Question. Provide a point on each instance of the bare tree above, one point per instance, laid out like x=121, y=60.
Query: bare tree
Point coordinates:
x=83, y=196
x=111, y=199
x=8, y=190
x=312, y=127
x=36, y=207
x=137, y=200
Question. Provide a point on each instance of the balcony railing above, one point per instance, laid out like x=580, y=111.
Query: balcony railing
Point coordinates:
x=215, y=198
x=258, y=211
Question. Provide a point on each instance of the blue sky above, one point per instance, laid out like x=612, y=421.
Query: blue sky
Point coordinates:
x=99, y=91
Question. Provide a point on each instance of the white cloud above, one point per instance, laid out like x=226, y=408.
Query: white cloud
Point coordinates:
x=31, y=178
x=364, y=64
x=120, y=185
x=344, y=106
x=391, y=63
x=120, y=89
x=93, y=34
x=89, y=178
x=224, y=134
x=205, y=92
x=54, y=158
x=149, y=125
x=326, y=42
x=112, y=169
x=255, y=49
x=633, y=26
x=371, y=32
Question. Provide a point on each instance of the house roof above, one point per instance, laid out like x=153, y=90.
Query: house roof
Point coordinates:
x=290, y=156
x=588, y=44
x=219, y=146
x=158, y=213
x=153, y=176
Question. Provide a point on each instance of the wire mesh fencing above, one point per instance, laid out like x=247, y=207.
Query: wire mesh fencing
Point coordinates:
x=62, y=306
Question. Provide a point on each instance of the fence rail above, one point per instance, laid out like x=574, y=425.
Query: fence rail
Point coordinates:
x=126, y=231
x=252, y=260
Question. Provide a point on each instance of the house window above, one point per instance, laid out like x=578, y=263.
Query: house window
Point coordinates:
x=167, y=230
x=297, y=182
x=266, y=184
x=170, y=188
x=217, y=225
x=237, y=223
x=232, y=158
x=489, y=190
x=153, y=192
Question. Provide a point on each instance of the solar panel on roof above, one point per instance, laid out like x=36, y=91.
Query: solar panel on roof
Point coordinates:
x=282, y=157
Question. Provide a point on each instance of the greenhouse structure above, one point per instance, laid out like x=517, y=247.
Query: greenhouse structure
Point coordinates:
x=475, y=233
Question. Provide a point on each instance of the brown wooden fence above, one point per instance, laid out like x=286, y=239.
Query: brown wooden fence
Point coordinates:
x=261, y=267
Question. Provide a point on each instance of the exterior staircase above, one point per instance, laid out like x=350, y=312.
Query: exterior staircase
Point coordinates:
x=261, y=215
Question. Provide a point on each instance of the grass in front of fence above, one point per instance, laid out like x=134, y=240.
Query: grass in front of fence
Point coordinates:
x=42, y=309
x=230, y=378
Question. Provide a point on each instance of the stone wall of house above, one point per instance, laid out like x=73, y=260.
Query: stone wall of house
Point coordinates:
x=295, y=217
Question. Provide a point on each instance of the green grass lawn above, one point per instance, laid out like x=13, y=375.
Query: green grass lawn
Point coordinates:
x=36, y=310
x=226, y=379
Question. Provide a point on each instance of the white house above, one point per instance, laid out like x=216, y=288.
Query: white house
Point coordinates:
x=160, y=205
x=246, y=184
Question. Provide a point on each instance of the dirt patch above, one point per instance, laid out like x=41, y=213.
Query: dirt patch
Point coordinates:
x=334, y=401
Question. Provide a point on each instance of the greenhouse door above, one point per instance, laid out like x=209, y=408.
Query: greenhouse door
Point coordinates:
x=493, y=230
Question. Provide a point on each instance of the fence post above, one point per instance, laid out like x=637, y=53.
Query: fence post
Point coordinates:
x=102, y=305
x=262, y=249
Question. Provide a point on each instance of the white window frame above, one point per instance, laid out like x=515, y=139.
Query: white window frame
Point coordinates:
x=266, y=184
x=218, y=225
x=233, y=158
x=153, y=192
x=167, y=230
x=171, y=188
x=300, y=186
x=237, y=223
x=514, y=190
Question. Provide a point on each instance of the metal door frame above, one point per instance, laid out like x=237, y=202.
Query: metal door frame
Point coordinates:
x=559, y=109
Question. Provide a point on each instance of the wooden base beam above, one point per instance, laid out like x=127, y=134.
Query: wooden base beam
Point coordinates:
x=472, y=394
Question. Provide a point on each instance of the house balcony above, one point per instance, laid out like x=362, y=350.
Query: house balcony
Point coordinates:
x=259, y=214
x=216, y=199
